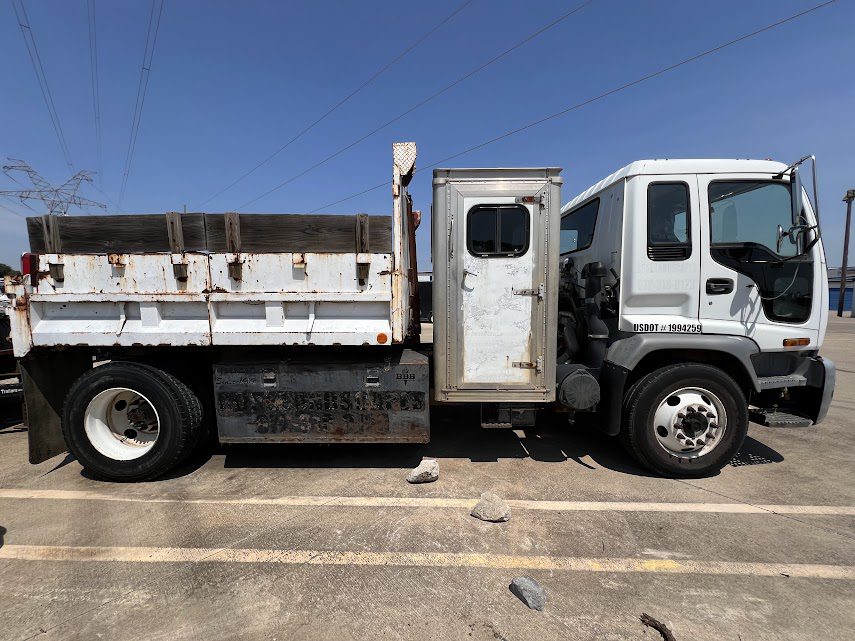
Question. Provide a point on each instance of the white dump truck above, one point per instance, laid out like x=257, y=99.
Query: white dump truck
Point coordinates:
x=672, y=302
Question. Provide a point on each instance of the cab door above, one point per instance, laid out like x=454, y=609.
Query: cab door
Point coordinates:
x=661, y=262
x=754, y=281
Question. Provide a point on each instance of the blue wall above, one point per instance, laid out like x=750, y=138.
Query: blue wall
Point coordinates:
x=834, y=295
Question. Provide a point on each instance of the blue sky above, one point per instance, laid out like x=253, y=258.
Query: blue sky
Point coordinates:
x=232, y=81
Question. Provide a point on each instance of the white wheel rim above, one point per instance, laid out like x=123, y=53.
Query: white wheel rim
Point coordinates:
x=121, y=423
x=690, y=422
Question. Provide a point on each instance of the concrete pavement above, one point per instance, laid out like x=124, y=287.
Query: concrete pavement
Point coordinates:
x=330, y=542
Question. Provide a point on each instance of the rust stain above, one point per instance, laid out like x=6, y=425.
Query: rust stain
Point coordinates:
x=311, y=414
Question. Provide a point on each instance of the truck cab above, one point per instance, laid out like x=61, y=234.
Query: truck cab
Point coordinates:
x=715, y=265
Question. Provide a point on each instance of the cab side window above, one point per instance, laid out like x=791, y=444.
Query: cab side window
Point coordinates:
x=577, y=227
x=750, y=212
x=668, y=221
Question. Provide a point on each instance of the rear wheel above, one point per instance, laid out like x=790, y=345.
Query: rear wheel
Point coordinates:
x=130, y=422
x=685, y=420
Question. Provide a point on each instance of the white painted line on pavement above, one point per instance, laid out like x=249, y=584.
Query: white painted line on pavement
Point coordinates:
x=57, y=553
x=432, y=502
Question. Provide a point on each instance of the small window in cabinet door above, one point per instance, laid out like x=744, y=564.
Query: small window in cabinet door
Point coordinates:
x=498, y=230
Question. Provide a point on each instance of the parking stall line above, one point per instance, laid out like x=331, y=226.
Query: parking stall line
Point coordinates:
x=433, y=502
x=356, y=558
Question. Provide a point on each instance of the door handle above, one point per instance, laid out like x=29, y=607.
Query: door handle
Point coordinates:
x=717, y=286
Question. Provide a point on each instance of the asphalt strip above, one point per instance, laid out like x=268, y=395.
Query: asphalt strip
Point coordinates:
x=65, y=554
x=432, y=502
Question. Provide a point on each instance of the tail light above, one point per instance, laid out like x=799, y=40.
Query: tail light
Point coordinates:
x=29, y=264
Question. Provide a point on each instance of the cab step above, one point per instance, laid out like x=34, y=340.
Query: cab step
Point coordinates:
x=776, y=382
x=774, y=417
x=506, y=416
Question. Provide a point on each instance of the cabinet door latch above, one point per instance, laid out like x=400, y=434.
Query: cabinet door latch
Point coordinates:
x=537, y=366
x=530, y=292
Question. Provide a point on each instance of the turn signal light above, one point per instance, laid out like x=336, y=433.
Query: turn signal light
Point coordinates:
x=796, y=342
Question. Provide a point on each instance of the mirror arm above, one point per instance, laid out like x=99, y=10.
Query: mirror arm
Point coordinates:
x=815, y=181
x=815, y=191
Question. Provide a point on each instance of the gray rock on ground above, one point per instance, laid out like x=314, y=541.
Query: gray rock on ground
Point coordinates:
x=491, y=508
x=426, y=472
x=529, y=592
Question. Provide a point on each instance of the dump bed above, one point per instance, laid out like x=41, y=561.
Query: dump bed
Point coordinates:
x=221, y=279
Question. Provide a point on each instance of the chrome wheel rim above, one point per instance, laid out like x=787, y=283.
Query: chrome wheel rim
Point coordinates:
x=690, y=422
x=121, y=424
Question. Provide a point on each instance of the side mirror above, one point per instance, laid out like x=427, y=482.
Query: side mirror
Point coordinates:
x=796, y=195
x=567, y=265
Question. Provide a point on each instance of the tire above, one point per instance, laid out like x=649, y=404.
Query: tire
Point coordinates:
x=708, y=409
x=130, y=422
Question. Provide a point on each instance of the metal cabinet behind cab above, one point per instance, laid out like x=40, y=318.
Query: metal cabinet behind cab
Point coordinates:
x=495, y=235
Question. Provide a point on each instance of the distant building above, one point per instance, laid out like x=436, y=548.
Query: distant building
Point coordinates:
x=834, y=287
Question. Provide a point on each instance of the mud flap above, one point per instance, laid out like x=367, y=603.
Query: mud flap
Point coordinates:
x=46, y=378
x=610, y=408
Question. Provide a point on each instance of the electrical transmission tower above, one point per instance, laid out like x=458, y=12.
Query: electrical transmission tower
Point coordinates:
x=57, y=200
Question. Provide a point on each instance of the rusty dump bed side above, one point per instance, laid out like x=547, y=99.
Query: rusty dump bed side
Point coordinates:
x=349, y=397
x=179, y=280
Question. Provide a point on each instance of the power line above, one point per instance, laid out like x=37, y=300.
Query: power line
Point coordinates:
x=23, y=202
x=38, y=68
x=423, y=102
x=142, y=88
x=108, y=197
x=596, y=98
x=96, y=91
x=56, y=200
x=13, y=212
x=385, y=183
x=341, y=102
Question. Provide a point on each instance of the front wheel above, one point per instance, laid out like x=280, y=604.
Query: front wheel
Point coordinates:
x=685, y=420
x=129, y=421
